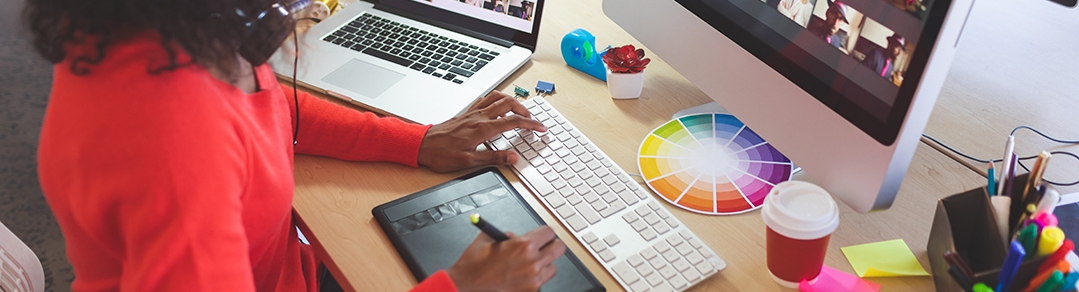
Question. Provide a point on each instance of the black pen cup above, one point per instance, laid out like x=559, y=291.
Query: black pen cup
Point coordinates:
x=965, y=224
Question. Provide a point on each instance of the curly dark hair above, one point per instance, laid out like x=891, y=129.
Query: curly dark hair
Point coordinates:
x=210, y=31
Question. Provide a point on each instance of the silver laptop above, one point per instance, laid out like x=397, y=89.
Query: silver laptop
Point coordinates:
x=420, y=60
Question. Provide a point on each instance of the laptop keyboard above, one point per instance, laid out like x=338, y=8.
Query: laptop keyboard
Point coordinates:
x=427, y=52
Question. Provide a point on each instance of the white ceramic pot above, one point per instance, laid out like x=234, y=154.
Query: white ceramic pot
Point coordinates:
x=625, y=85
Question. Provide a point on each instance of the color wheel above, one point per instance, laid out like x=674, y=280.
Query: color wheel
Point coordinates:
x=711, y=164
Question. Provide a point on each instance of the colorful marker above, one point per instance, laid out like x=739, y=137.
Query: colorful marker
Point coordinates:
x=1051, y=239
x=1041, y=278
x=1053, y=284
x=1057, y=256
x=1028, y=238
x=1011, y=264
x=1047, y=219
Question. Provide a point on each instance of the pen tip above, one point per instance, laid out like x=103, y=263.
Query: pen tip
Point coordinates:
x=475, y=218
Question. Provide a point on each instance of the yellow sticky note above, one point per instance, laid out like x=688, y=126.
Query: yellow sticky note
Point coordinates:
x=890, y=258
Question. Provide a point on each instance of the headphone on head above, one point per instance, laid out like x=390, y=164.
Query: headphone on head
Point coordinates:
x=264, y=32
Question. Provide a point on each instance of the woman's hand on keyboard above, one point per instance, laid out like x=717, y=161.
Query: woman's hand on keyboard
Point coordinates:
x=451, y=145
x=521, y=263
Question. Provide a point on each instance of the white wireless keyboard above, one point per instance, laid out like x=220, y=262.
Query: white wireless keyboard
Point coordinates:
x=626, y=229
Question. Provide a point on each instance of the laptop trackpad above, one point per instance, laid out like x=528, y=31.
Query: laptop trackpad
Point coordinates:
x=363, y=78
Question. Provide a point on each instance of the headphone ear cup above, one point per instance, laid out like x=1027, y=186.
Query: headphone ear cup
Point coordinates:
x=266, y=37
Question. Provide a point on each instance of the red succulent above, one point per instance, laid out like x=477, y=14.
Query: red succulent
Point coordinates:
x=625, y=59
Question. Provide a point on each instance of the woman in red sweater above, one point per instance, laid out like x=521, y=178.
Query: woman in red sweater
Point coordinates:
x=166, y=152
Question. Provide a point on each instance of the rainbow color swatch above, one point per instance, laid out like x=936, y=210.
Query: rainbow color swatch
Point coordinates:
x=711, y=164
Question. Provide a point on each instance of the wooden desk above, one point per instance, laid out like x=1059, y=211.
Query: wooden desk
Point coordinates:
x=334, y=198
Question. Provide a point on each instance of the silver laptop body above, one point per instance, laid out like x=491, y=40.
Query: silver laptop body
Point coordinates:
x=395, y=85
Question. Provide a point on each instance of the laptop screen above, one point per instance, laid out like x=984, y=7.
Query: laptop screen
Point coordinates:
x=515, y=14
x=515, y=21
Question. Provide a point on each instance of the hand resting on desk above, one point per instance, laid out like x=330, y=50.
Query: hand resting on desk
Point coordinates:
x=451, y=145
x=521, y=263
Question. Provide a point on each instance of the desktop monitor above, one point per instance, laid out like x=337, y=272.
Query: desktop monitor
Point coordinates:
x=843, y=88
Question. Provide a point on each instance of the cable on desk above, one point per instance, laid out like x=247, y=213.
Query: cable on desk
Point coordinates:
x=1020, y=161
x=1043, y=135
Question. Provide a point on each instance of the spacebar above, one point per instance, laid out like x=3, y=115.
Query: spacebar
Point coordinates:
x=387, y=57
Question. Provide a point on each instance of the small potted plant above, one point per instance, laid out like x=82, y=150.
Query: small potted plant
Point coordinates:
x=625, y=71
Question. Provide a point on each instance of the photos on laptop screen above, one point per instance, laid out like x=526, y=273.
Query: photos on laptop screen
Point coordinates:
x=515, y=14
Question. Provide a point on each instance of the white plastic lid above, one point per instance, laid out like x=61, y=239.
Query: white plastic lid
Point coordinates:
x=800, y=210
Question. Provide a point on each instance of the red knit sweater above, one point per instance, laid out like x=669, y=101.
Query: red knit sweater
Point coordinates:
x=177, y=181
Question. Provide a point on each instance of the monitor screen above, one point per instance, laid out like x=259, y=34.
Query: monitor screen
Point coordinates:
x=861, y=58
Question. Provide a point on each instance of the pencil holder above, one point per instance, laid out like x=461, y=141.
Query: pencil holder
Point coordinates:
x=965, y=224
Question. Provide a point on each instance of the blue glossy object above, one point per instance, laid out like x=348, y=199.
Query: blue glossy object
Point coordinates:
x=579, y=51
x=1011, y=264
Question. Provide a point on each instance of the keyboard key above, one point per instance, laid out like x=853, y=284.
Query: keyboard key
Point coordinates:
x=590, y=215
x=388, y=57
x=591, y=197
x=612, y=209
x=681, y=265
x=599, y=206
x=590, y=237
x=678, y=282
x=626, y=272
x=461, y=72
x=635, y=260
x=694, y=258
x=705, y=267
x=667, y=271
x=639, y=226
x=651, y=218
x=565, y=211
x=575, y=199
x=670, y=255
x=662, y=247
x=648, y=233
x=661, y=228
x=607, y=255
x=684, y=249
x=611, y=240
x=598, y=246
x=675, y=241
x=576, y=222
x=640, y=286
x=654, y=279
x=628, y=197
x=555, y=200
x=630, y=217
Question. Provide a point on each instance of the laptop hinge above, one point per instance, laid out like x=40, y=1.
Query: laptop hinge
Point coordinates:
x=447, y=26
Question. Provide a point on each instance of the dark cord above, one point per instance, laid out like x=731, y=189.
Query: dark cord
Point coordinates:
x=316, y=20
x=1020, y=160
x=295, y=96
x=1043, y=135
